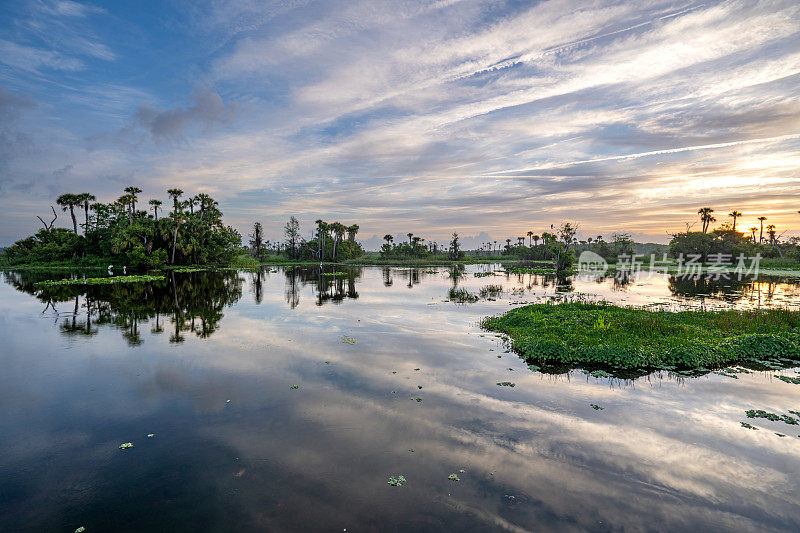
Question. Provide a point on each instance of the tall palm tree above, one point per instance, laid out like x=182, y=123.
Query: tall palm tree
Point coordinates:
x=352, y=231
x=705, y=217
x=191, y=202
x=133, y=191
x=85, y=198
x=530, y=238
x=156, y=204
x=520, y=241
x=175, y=194
x=761, y=234
x=734, y=215
x=205, y=202
x=771, y=233
x=69, y=201
x=753, y=230
x=536, y=239
x=388, y=238
x=409, y=237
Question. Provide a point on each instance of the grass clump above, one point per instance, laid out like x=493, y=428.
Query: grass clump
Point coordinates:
x=605, y=335
x=462, y=296
x=98, y=281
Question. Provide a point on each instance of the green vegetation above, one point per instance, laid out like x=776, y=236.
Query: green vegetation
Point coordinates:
x=98, y=281
x=505, y=384
x=462, y=296
x=397, y=481
x=752, y=413
x=622, y=338
x=453, y=477
x=787, y=379
x=122, y=234
x=596, y=407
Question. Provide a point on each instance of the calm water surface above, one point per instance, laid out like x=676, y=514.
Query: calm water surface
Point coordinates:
x=206, y=362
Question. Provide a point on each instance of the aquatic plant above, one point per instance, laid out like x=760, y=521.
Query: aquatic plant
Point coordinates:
x=397, y=481
x=349, y=340
x=752, y=413
x=505, y=384
x=294, y=387
x=462, y=296
x=605, y=335
x=596, y=407
x=748, y=426
x=787, y=379
x=330, y=274
x=453, y=477
x=98, y=281
x=126, y=445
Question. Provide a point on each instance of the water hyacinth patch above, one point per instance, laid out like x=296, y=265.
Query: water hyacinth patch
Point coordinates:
x=99, y=281
x=126, y=445
x=596, y=407
x=349, y=340
x=294, y=387
x=505, y=384
x=752, y=413
x=396, y=481
x=748, y=426
x=787, y=379
x=453, y=477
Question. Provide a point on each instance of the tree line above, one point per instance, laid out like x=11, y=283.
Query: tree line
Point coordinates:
x=120, y=231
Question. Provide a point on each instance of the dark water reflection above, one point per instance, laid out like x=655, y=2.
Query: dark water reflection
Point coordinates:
x=206, y=361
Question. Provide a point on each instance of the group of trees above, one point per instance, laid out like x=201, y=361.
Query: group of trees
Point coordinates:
x=192, y=233
x=417, y=247
x=331, y=241
x=727, y=240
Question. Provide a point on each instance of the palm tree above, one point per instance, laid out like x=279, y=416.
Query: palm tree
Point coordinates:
x=761, y=233
x=409, y=237
x=191, y=202
x=69, y=201
x=352, y=231
x=705, y=217
x=133, y=191
x=205, y=203
x=753, y=230
x=536, y=239
x=520, y=241
x=771, y=233
x=388, y=238
x=508, y=244
x=85, y=198
x=530, y=238
x=156, y=204
x=175, y=194
x=734, y=215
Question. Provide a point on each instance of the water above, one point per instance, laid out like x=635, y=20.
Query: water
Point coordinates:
x=206, y=362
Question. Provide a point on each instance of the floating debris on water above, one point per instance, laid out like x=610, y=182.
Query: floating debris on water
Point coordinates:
x=349, y=340
x=126, y=445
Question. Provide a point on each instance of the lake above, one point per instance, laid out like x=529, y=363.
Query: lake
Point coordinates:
x=283, y=400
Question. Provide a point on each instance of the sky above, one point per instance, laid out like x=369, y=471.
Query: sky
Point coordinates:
x=489, y=118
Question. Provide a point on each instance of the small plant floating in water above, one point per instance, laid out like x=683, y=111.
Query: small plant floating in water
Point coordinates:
x=416, y=369
x=334, y=274
x=505, y=384
x=396, y=481
x=349, y=340
x=748, y=426
x=453, y=477
x=461, y=471
x=126, y=445
x=411, y=450
x=596, y=407
x=151, y=435
x=80, y=529
x=293, y=387
x=752, y=413
x=787, y=379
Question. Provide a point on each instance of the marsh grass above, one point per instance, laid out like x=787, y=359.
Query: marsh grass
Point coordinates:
x=624, y=338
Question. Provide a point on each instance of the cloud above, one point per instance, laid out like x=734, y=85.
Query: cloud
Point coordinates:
x=207, y=110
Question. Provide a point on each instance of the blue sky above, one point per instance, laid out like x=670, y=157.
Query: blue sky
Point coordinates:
x=429, y=117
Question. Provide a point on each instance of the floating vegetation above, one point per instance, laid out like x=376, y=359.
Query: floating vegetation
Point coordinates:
x=505, y=384
x=528, y=270
x=462, y=296
x=397, y=481
x=151, y=435
x=787, y=379
x=126, y=445
x=416, y=369
x=748, y=426
x=411, y=450
x=453, y=477
x=624, y=338
x=461, y=471
x=752, y=413
x=349, y=340
x=484, y=274
x=596, y=407
x=490, y=291
x=418, y=399
x=294, y=387
x=330, y=274
x=419, y=387
x=80, y=529
x=98, y=281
